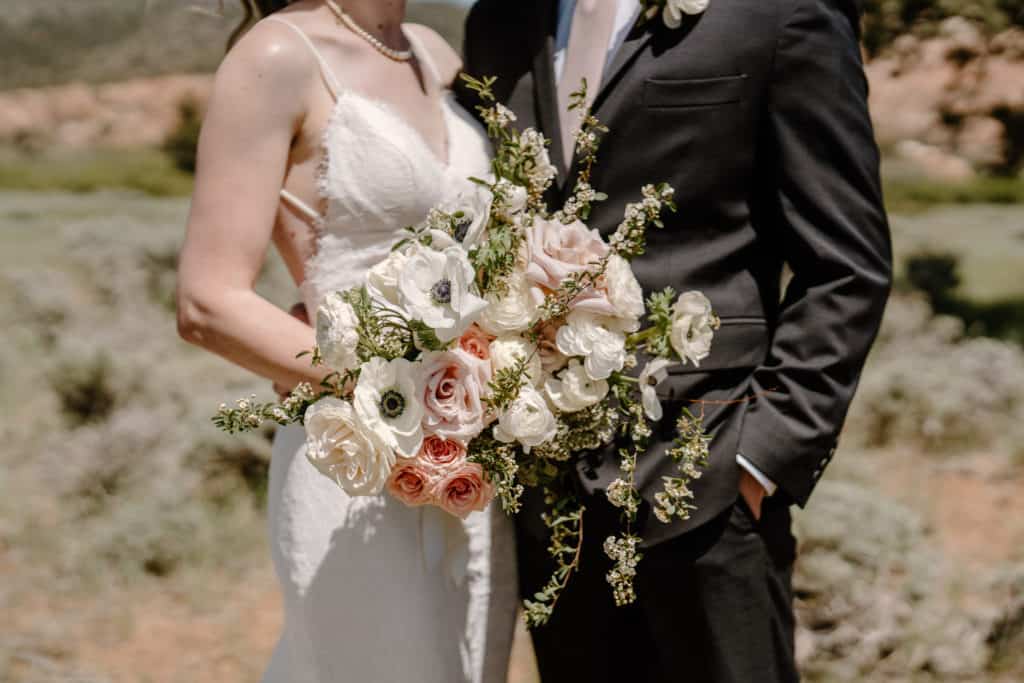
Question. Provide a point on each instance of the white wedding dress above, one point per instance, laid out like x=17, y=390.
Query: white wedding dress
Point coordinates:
x=376, y=592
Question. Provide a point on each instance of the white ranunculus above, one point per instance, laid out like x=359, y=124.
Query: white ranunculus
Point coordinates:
x=388, y=403
x=603, y=349
x=573, y=390
x=675, y=9
x=343, y=449
x=693, y=326
x=336, y=334
x=528, y=421
x=514, y=310
x=383, y=277
x=434, y=287
x=624, y=293
x=508, y=349
x=653, y=374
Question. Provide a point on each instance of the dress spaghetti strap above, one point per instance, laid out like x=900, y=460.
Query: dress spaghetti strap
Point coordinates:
x=334, y=88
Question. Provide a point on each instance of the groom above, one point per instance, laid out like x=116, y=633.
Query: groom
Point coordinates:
x=755, y=112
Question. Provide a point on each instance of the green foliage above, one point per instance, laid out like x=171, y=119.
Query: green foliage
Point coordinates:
x=906, y=196
x=886, y=20
x=85, y=388
x=181, y=145
x=148, y=171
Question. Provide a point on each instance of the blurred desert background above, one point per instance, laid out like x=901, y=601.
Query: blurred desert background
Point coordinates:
x=132, y=533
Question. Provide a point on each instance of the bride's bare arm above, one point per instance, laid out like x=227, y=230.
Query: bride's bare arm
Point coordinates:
x=258, y=105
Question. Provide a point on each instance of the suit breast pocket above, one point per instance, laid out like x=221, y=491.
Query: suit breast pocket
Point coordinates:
x=695, y=92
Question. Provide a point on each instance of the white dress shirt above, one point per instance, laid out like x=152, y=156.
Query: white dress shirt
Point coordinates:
x=627, y=15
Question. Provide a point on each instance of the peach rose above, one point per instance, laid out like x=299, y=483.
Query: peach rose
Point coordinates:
x=412, y=484
x=476, y=342
x=556, y=251
x=464, y=491
x=442, y=454
x=453, y=390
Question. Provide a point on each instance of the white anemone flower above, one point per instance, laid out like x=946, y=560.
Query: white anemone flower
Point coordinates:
x=653, y=374
x=574, y=390
x=388, y=403
x=435, y=288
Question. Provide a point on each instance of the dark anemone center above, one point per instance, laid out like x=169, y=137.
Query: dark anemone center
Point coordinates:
x=441, y=292
x=392, y=403
x=461, y=222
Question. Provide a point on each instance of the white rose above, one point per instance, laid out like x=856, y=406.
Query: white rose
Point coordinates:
x=675, y=9
x=653, y=374
x=624, y=293
x=506, y=352
x=514, y=310
x=388, y=403
x=528, y=420
x=336, y=334
x=693, y=326
x=603, y=349
x=383, y=277
x=434, y=287
x=574, y=390
x=341, y=448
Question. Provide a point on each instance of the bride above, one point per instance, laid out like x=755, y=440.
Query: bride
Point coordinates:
x=330, y=129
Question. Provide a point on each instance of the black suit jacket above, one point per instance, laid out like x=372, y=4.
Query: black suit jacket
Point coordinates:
x=756, y=113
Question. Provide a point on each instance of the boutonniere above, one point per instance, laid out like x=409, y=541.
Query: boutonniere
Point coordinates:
x=672, y=11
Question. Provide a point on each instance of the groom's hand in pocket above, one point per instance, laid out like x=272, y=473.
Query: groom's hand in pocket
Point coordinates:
x=299, y=312
x=753, y=493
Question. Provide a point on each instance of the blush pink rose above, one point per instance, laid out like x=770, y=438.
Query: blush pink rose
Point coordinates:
x=464, y=491
x=442, y=454
x=412, y=484
x=454, y=386
x=556, y=251
x=476, y=342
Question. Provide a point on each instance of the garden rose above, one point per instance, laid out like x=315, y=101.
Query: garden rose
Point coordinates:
x=476, y=342
x=441, y=453
x=453, y=388
x=514, y=310
x=464, y=491
x=506, y=351
x=693, y=326
x=336, y=334
x=412, y=484
x=556, y=251
x=383, y=277
x=528, y=420
x=343, y=449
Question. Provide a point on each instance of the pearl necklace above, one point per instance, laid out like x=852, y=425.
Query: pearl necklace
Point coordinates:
x=390, y=53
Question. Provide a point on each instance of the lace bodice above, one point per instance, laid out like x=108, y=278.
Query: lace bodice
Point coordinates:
x=377, y=176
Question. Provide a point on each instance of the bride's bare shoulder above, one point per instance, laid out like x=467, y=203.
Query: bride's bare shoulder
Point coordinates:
x=445, y=57
x=270, y=55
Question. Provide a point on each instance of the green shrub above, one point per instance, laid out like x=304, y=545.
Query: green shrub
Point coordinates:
x=183, y=141
x=85, y=389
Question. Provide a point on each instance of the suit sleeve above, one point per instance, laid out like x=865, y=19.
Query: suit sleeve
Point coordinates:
x=829, y=220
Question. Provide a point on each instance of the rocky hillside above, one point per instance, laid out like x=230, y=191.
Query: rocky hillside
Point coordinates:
x=952, y=104
x=948, y=105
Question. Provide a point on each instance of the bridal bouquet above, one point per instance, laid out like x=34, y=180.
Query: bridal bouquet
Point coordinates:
x=497, y=342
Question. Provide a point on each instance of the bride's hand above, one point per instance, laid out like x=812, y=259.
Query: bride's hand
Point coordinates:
x=299, y=312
